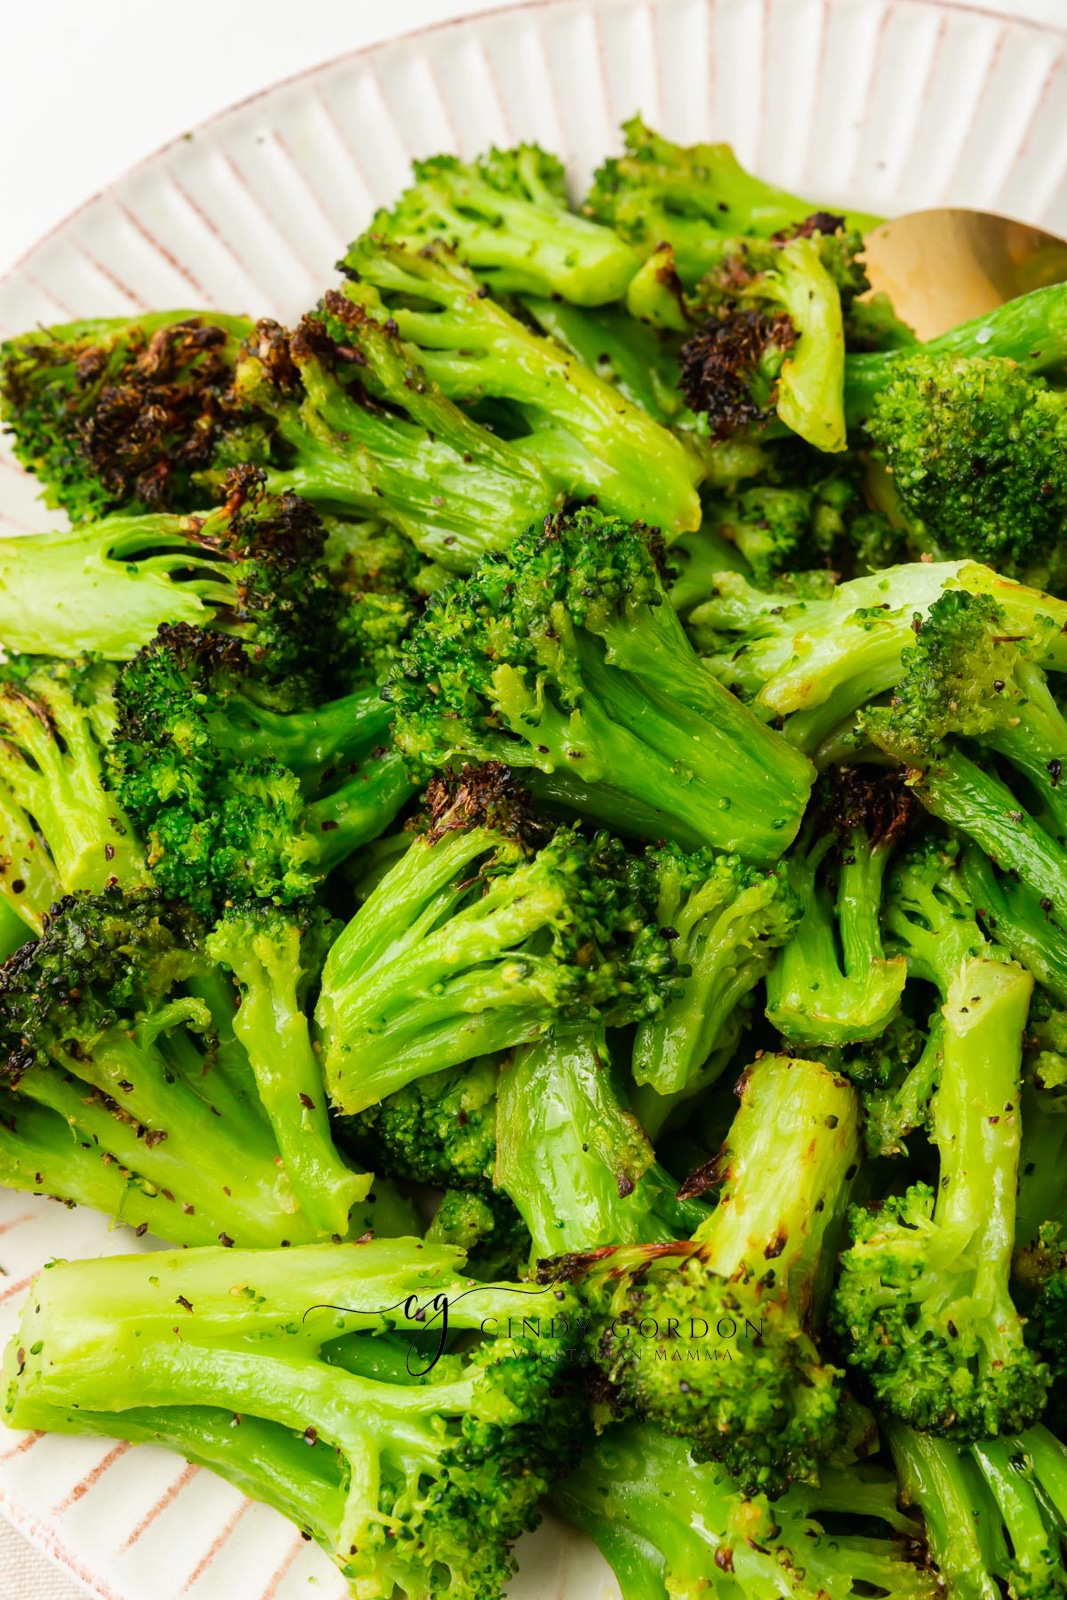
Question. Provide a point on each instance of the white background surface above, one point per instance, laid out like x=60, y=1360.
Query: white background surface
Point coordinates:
x=90, y=87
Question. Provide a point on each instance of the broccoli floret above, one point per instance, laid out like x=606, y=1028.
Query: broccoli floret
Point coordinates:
x=994, y=1513
x=673, y=1527
x=439, y=1130
x=896, y=1075
x=574, y=1158
x=233, y=798
x=60, y=829
x=974, y=672
x=383, y=583
x=923, y=1305
x=421, y=1474
x=488, y=1229
x=117, y=1020
x=476, y=940
x=725, y=921
x=689, y=198
x=506, y=216
x=564, y=658
x=973, y=437
x=664, y=1317
x=584, y=434
x=111, y=413
x=252, y=568
x=832, y=983
x=300, y=406
x=774, y=338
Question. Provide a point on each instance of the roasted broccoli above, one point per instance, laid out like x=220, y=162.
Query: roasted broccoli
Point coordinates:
x=671, y=1525
x=420, y=1472
x=832, y=982
x=923, y=1305
x=507, y=218
x=585, y=435
x=118, y=1020
x=565, y=659
x=712, y=1338
x=477, y=940
x=234, y=799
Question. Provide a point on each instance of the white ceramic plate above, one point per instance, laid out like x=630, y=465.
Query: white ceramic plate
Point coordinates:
x=886, y=105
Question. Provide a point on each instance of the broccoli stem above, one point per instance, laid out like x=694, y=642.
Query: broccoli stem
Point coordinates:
x=1031, y=330
x=977, y=802
x=272, y=1026
x=795, y=1118
x=945, y=1484
x=1014, y=916
x=29, y=882
x=106, y=586
x=308, y=742
x=357, y=812
x=574, y=1159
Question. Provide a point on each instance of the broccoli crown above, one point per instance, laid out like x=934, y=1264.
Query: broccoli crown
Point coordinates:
x=503, y=939
x=102, y=960
x=564, y=657
x=487, y=1227
x=506, y=216
x=923, y=1302
x=930, y=915
x=671, y=1524
x=730, y=367
x=440, y=1464
x=61, y=830
x=439, y=1130
x=116, y=414
x=725, y=919
x=975, y=447
x=234, y=798
x=383, y=582
x=689, y=197
x=710, y=1338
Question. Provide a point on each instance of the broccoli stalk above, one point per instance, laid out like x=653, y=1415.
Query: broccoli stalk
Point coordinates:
x=583, y=432
x=574, y=1158
x=275, y=959
x=832, y=983
x=424, y=1483
x=474, y=942
x=564, y=658
x=728, y=920
x=689, y=198
x=252, y=568
x=506, y=216
x=117, y=1021
x=236, y=799
x=923, y=1304
x=994, y=1513
x=747, y=1285
x=672, y=1526
x=60, y=830
x=1017, y=917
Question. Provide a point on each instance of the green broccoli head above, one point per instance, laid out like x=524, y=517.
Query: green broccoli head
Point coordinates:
x=503, y=929
x=439, y=1130
x=923, y=1303
x=116, y=414
x=975, y=448
x=712, y=1338
x=506, y=216
x=383, y=582
x=564, y=658
x=234, y=798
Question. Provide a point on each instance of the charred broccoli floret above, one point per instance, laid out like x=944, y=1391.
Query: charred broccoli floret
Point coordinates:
x=417, y=1475
x=476, y=940
x=662, y=1317
x=585, y=435
x=673, y=1527
x=252, y=568
x=564, y=658
x=832, y=982
x=118, y=1021
x=235, y=799
x=507, y=218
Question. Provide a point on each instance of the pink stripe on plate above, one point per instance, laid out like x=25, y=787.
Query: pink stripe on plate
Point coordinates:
x=283, y=1568
x=185, y=1477
x=221, y=1539
x=82, y=1487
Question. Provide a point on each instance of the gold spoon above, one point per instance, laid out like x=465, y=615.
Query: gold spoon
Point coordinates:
x=942, y=267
